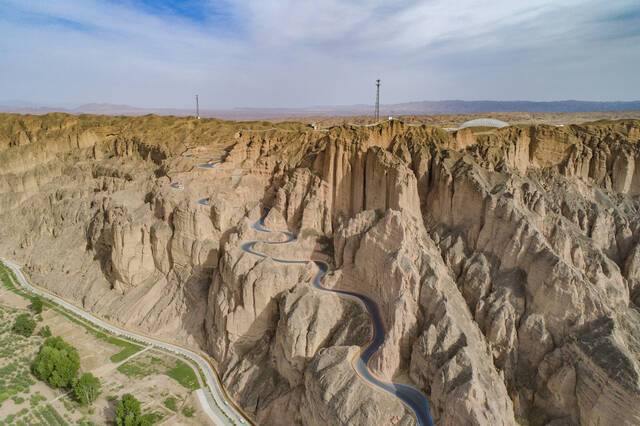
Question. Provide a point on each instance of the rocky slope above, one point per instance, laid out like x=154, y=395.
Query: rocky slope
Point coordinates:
x=506, y=264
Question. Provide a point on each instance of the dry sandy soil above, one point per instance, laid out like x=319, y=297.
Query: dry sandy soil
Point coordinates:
x=517, y=118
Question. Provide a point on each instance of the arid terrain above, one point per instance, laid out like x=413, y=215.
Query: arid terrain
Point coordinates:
x=505, y=263
x=454, y=120
x=120, y=366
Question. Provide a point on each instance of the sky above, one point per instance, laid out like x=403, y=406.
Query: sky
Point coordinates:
x=297, y=53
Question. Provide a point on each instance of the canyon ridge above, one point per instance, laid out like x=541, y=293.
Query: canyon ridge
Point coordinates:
x=505, y=263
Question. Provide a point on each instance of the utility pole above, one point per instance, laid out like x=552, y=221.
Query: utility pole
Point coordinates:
x=197, y=108
x=377, y=99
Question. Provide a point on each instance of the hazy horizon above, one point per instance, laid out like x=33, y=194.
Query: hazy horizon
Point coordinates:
x=290, y=54
x=18, y=104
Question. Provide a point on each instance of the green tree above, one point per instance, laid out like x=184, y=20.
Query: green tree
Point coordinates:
x=36, y=305
x=45, y=331
x=24, y=325
x=86, y=389
x=57, y=363
x=128, y=411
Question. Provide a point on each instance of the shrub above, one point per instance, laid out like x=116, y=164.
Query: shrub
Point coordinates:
x=36, y=305
x=170, y=403
x=57, y=363
x=24, y=325
x=36, y=399
x=86, y=389
x=45, y=331
x=188, y=411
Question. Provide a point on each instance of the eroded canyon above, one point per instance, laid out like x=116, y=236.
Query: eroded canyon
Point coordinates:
x=505, y=263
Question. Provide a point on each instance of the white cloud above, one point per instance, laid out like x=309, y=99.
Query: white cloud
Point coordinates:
x=302, y=52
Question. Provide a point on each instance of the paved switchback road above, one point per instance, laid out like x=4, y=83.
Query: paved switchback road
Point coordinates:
x=412, y=397
x=217, y=404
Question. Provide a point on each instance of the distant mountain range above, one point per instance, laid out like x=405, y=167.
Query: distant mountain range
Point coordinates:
x=407, y=108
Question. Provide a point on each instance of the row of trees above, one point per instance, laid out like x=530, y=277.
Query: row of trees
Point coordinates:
x=58, y=363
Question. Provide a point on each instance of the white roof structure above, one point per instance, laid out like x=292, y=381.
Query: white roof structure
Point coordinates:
x=484, y=122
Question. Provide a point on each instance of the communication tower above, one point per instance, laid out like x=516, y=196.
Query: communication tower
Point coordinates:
x=377, y=114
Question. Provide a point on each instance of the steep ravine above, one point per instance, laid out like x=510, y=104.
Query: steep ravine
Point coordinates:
x=412, y=397
x=505, y=263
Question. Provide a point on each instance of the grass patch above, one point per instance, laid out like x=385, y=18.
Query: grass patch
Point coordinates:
x=188, y=411
x=154, y=417
x=50, y=416
x=135, y=370
x=141, y=367
x=15, y=377
x=171, y=403
x=184, y=374
x=36, y=399
x=146, y=365
x=128, y=349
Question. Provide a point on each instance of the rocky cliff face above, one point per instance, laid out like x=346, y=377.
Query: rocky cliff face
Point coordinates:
x=505, y=264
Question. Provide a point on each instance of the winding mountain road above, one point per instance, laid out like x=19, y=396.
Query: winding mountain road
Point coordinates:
x=219, y=406
x=410, y=396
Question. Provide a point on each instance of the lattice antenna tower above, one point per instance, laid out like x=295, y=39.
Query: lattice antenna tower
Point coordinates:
x=377, y=114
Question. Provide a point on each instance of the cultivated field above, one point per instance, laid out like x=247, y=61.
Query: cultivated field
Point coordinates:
x=163, y=384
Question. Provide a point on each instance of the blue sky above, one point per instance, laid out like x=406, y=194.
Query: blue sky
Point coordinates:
x=277, y=53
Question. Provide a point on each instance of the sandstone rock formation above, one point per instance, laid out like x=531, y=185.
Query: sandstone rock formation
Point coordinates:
x=505, y=263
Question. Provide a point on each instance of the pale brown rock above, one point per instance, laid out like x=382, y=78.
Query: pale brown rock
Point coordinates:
x=335, y=395
x=505, y=262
